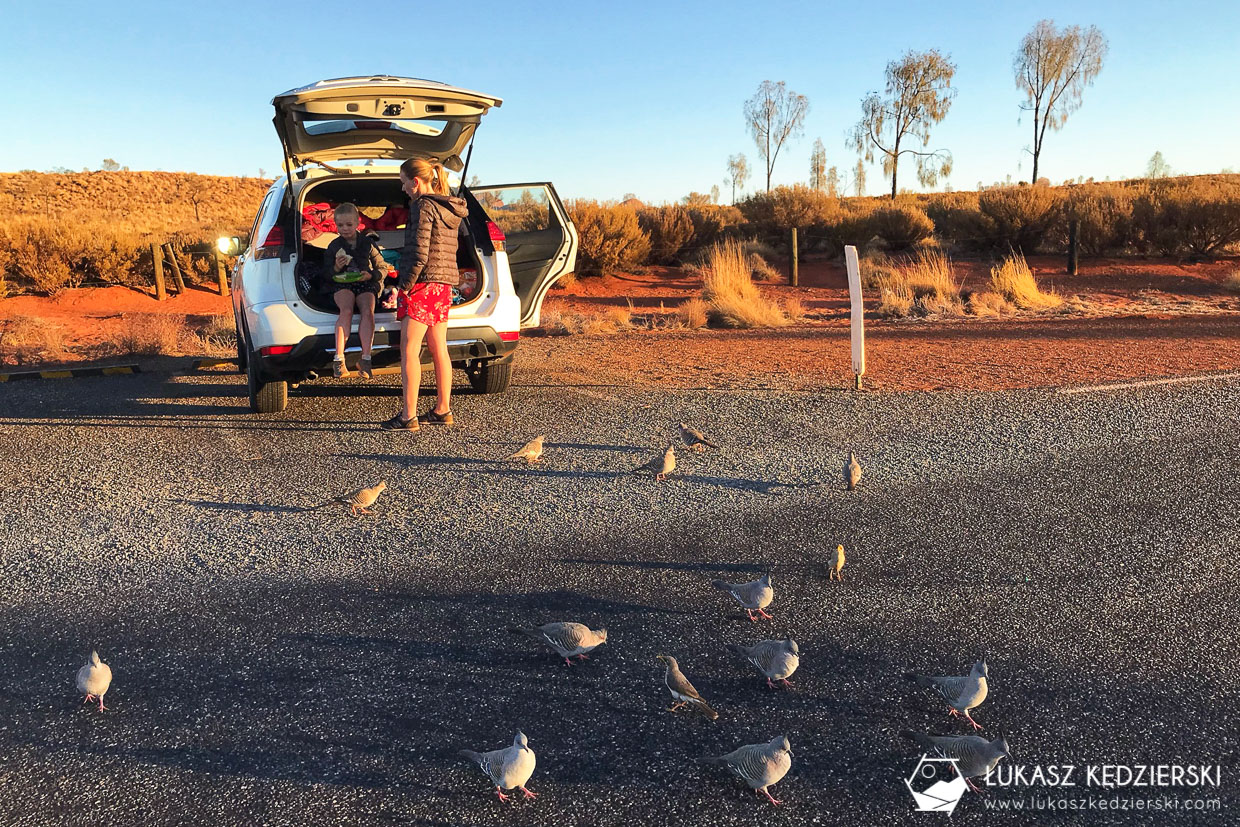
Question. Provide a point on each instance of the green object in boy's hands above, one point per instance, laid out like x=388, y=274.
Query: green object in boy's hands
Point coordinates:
x=348, y=277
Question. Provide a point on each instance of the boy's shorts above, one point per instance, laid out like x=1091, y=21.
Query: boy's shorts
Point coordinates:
x=426, y=302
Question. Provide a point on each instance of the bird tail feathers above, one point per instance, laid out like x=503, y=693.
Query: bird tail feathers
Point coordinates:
x=528, y=631
x=471, y=756
x=919, y=739
x=920, y=680
x=721, y=586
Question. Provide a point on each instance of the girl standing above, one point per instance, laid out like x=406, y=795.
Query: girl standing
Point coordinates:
x=424, y=283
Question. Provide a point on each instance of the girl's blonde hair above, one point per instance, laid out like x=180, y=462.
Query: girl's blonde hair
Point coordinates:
x=433, y=174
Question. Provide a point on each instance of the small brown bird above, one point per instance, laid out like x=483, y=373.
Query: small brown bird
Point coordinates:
x=837, y=568
x=93, y=680
x=569, y=640
x=694, y=439
x=852, y=471
x=669, y=463
x=532, y=452
x=683, y=692
x=362, y=499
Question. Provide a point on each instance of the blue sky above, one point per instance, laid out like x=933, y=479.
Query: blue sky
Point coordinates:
x=604, y=99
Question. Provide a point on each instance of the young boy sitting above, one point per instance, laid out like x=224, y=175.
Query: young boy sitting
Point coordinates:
x=357, y=270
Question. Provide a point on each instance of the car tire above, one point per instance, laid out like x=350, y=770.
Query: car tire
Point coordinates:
x=265, y=397
x=491, y=378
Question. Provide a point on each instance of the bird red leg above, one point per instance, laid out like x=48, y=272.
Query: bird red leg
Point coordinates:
x=787, y=683
x=769, y=684
x=101, y=706
x=773, y=800
x=750, y=612
x=528, y=794
x=972, y=786
x=764, y=614
x=969, y=717
x=569, y=662
x=88, y=699
x=501, y=795
x=583, y=656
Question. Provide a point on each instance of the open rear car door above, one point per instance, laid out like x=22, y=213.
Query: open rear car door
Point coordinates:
x=540, y=239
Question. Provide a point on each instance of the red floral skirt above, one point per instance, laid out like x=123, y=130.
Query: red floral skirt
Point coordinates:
x=426, y=302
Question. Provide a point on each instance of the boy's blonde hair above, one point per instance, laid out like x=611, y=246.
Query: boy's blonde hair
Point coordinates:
x=345, y=210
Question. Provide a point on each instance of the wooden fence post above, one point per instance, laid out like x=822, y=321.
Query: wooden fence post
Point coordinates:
x=157, y=258
x=176, y=268
x=794, y=278
x=1074, y=231
x=220, y=272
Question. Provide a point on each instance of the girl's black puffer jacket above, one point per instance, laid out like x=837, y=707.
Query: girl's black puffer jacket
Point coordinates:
x=431, y=236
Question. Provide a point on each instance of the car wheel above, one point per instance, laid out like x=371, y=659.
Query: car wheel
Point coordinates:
x=265, y=397
x=490, y=377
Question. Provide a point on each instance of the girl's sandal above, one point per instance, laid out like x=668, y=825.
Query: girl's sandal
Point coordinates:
x=432, y=418
x=398, y=423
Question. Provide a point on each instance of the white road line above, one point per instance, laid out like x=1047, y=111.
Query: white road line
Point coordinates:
x=1174, y=381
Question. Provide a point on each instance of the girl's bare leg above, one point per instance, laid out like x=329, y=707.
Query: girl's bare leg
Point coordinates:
x=438, y=344
x=411, y=335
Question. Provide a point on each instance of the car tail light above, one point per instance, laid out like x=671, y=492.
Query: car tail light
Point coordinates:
x=509, y=336
x=497, y=235
x=270, y=248
x=275, y=350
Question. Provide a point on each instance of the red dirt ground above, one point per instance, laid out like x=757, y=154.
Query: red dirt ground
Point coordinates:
x=1144, y=319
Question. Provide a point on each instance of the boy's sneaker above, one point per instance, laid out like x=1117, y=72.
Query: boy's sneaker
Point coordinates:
x=432, y=418
x=365, y=369
x=338, y=368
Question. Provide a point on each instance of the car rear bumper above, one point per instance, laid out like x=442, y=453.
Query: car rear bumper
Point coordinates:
x=315, y=353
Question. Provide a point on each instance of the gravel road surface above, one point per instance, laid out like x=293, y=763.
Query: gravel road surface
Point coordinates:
x=277, y=663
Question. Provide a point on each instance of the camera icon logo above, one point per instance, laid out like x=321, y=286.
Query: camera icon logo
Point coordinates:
x=936, y=784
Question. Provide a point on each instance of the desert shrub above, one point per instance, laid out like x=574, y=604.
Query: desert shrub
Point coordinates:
x=620, y=317
x=567, y=281
x=873, y=267
x=670, y=229
x=929, y=273
x=894, y=298
x=45, y=254
x=1104, y=213
x=26, y=340
x=957, y=218
x=1201, y=217
x=729, y=292
x=1231, y=281
x=901, y=226
x=713, y=223
x=1019, y=217
x=989, y=303
x=153, y=334
x=693, y=312
x=760, y=269
x=772, y=214
x=609, y=237
x=1012, y=279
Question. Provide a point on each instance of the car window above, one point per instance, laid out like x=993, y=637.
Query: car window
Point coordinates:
x=258, y=219
x=517, y=209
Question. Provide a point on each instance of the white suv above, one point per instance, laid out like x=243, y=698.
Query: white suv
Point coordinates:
x=344, y=140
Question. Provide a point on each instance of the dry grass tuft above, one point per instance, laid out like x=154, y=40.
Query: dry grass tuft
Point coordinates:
x=795, y=309
x=26, y=340
x=1012, y=279
x=729, y=291
x=567, y=281
x=761, y=270
x=924, y=285
x=620, y=317
x=153, y=334
x=1231, y=281
x=694, y=313
x=989, y=304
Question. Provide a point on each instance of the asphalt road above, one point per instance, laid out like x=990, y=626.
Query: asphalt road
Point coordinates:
x=280, y=664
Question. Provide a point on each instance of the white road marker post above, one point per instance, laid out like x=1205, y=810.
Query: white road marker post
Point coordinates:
x=858, y=314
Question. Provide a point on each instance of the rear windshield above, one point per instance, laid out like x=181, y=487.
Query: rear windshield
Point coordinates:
x=422, y=126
